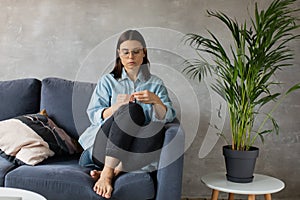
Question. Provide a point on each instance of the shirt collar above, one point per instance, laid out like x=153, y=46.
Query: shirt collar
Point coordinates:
x=143, y=75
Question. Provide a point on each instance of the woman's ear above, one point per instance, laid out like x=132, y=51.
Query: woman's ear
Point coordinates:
x=145, y=51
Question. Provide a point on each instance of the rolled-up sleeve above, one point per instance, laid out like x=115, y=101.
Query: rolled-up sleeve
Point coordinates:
x=99, y=101
x=162, y=93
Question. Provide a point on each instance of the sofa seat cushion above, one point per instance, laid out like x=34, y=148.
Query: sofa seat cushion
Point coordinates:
x=58, y=178
x=137, y=186
x=66, y=103
x=5, y=167
x=19, y=97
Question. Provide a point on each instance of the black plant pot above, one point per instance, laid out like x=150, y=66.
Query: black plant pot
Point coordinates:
x=240, y=164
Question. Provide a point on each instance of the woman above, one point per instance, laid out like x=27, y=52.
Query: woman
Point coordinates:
x=128, y=110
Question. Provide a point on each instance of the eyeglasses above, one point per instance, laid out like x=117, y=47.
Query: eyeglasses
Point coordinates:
x=126, y=52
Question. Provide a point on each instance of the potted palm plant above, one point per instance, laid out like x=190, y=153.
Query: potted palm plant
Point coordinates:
x=244, y=75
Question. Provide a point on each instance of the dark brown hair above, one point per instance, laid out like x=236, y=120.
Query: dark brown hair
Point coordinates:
x=128, y=35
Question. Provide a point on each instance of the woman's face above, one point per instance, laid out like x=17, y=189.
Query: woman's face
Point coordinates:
x=131, y=54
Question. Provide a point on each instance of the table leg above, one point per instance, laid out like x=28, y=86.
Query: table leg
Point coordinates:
x=231, y=196
x=268, y=197
x=215, y=195
x=251, y=197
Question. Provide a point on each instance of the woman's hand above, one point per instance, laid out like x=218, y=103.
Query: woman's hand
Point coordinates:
x=122, y=99
x=148, y=97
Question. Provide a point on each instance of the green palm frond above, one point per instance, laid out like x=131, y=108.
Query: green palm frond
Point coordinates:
x=196, y=68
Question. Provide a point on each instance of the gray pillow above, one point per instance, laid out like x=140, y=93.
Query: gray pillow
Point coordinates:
x=66, y=103
x=19, y=97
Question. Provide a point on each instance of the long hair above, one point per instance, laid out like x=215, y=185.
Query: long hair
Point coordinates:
x=128, y=35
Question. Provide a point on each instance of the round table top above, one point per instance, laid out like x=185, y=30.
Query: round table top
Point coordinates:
x=261, y=184
x=24, y=194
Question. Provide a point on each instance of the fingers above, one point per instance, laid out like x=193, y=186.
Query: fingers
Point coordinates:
x=142, y=95
x=145, y=96
x=131, y=98
x=124, y=98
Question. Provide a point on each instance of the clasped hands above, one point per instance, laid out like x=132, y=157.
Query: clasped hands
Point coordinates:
x=144, y=96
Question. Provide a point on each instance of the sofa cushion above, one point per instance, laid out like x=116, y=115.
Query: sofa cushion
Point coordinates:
x=66, y=103
x=19, y=97
x=5, y=167
x=138, y=186
x=59, y=178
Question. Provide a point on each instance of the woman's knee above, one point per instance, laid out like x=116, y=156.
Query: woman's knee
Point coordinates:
x=131, y=111
x=137, y=113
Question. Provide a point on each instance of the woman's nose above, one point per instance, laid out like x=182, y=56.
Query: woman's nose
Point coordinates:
x=130, y=54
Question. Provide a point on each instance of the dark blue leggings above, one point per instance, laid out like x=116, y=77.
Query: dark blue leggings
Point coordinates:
x=126, y=137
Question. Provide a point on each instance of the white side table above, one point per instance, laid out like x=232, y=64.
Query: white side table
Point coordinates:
x=261, y=185
x=24, y=194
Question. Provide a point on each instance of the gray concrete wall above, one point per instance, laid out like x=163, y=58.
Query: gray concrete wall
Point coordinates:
x=76, y=40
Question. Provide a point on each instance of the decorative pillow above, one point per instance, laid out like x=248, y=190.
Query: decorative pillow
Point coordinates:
x=30, y=139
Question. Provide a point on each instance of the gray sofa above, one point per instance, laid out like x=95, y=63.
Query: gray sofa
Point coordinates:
x=60, y=177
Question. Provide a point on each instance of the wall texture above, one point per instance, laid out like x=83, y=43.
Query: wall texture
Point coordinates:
x=76, y=40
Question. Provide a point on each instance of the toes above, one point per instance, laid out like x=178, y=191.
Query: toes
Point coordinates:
x=95, y=174
x=97, y=188
x=100, y=191
x=103, y=188
x=108, y=192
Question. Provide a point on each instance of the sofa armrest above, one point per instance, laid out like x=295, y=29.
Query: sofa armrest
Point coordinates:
x=169, y=174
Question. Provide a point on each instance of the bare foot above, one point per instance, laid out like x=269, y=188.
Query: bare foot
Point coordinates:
x=103, y=186
x=95, y=174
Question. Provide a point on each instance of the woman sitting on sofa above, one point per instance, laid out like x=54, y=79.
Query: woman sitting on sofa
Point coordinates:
x=127, y=110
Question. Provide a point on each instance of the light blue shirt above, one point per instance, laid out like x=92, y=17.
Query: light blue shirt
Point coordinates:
x=105, y=95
